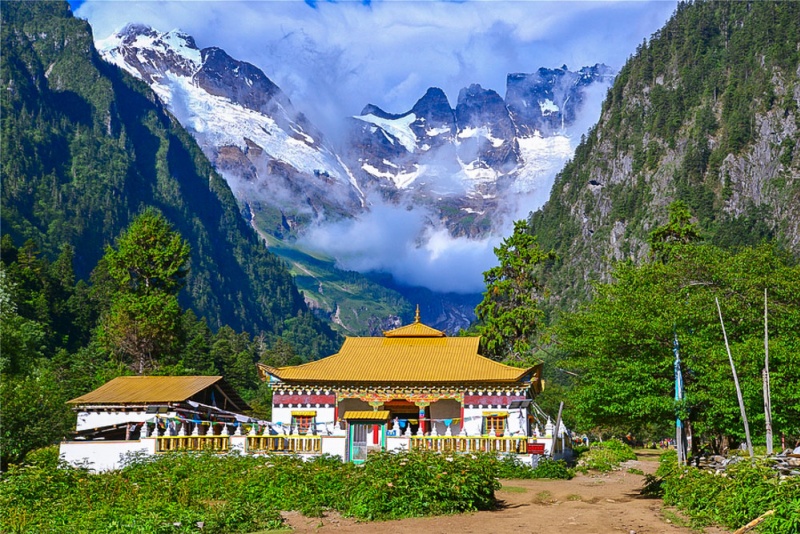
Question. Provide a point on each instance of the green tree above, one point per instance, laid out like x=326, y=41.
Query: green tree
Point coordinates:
x=620, y=345
x=235, y=357
x=146, y=271
x=509, y=314
x=34, y=413
x=680, y=230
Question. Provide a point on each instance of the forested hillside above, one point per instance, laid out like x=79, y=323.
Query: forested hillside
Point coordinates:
x=85, y=147
x=122, y=250
x=705, y=112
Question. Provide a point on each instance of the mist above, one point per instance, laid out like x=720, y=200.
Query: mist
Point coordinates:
x=408, y=244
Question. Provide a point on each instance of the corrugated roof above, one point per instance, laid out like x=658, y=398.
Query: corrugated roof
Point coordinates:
x=147, y=389
x=420, y=360
x=379, y=415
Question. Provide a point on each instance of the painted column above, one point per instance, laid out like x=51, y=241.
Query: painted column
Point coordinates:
x=422, y=405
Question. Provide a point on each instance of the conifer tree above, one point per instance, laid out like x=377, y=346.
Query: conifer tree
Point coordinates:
x=510, y=315
x=145, y=270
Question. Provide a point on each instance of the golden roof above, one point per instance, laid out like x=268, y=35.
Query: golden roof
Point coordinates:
x=391, y=360
x=367, y=415
x=415, y=329
x=156, y=389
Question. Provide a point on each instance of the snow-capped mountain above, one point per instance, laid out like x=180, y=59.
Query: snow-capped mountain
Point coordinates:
x=472, y=166
x=471, y=163
x=269, y=153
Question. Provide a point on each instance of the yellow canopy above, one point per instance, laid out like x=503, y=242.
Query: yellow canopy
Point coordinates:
x=380, y=415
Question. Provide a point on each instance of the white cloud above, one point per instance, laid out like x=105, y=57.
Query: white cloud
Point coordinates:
x=401, y=241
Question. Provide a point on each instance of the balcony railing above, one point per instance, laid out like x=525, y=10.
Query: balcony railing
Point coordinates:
x=192, y=443
x=285, y=444
x=510, y=444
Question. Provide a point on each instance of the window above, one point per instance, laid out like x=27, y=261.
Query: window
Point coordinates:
x=304, y=422
x=494, y=423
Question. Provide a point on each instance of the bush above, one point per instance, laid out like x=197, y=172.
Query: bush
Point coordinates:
x=395, y=485
x=605, y=456
x=190, y=492
x=511, y=468
x=742, y=494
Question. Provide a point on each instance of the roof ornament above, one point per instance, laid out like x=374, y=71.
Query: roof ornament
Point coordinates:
x=416, y=317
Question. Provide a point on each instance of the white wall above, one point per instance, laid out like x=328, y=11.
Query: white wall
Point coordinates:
x=97, y=419
x=516, y=425
x=398, y=444
x=103, y=455
x=334, y=445
x=473, y=419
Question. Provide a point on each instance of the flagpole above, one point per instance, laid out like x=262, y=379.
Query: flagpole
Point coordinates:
x=767, y=397
x=680, y=434
x=736, y=382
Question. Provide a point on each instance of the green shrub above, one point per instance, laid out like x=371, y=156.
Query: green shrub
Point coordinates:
x=510, y=467
x=742, y=494
x=394, y=485
x=190, y=492
x=605, y=456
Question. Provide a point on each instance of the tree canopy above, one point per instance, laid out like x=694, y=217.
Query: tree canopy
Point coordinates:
x=509, y=315
x=620, y=344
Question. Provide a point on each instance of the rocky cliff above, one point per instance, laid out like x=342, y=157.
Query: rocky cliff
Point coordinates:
x=706, y=111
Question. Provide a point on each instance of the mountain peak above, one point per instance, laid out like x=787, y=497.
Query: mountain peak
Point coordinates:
x=372, y=109
x=433, y=106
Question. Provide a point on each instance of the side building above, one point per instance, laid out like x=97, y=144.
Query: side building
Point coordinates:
x=152, y=414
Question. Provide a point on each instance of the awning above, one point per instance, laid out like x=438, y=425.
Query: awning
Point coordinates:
x=381, y=415
x=495, y=414
x=304, y=413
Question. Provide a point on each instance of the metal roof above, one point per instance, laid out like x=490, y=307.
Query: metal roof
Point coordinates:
x=419, y=360
x=156, y=389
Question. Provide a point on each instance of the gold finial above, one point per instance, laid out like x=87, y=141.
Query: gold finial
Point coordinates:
x=416, y=317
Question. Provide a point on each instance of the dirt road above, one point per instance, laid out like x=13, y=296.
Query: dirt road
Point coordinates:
x=586, y=504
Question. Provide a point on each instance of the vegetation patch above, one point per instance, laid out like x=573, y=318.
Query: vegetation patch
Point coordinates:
x=514, y=489
x=185, y=492
x=512, y=468
x=605, y=456
x=746, y=492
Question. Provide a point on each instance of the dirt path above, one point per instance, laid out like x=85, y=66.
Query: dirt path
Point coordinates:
x=586, y=504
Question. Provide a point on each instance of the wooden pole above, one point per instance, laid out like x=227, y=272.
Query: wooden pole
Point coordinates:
x=754, y=522
x=767, y=397
x=556, y=429
x=736, y=381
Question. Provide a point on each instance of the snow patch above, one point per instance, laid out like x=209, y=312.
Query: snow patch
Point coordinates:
x=548, y=107
x=543, y=157
x=401, y=180
x=399, y=128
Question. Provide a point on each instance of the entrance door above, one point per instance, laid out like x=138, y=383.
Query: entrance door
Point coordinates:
x=358, y=442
